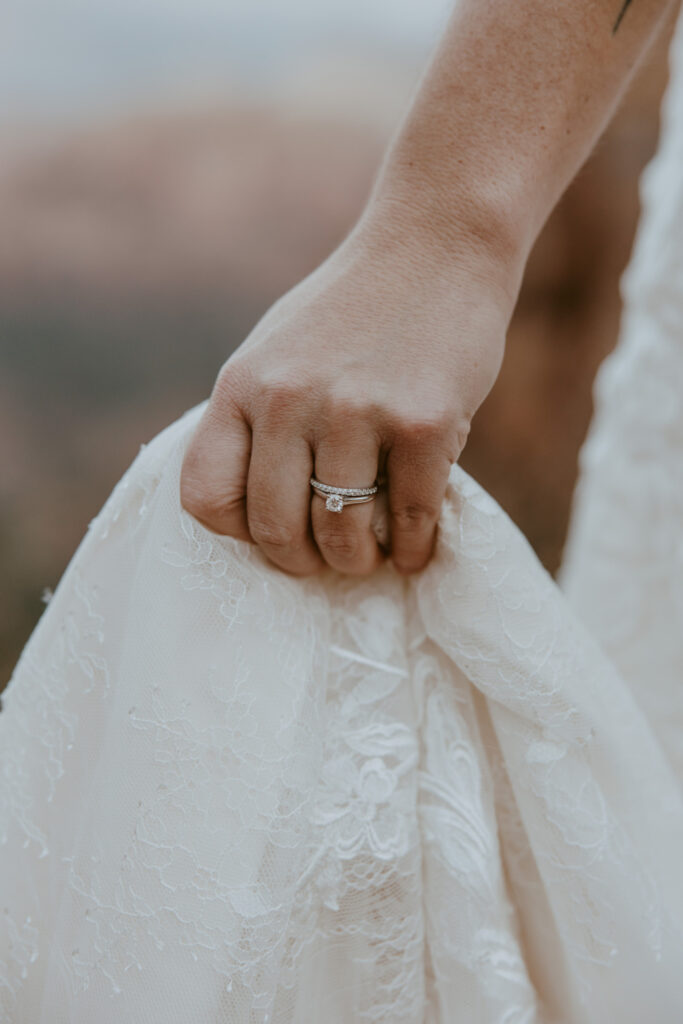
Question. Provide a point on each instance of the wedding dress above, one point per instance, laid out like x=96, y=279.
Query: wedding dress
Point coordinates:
x=232, y=795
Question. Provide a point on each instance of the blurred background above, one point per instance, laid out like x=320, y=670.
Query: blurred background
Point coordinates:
x=169, y=168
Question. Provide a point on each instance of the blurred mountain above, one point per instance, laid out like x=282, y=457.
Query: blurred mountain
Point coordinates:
x=240, y=199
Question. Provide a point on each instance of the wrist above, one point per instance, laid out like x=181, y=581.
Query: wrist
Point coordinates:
x=452, y=236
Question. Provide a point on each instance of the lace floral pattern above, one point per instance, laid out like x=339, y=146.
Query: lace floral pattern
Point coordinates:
x=238, y=795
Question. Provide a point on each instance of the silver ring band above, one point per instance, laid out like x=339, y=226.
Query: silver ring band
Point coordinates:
x=337, y=497
x=350, y=491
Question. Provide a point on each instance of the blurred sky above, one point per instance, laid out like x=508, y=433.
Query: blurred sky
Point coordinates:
x=66, y=60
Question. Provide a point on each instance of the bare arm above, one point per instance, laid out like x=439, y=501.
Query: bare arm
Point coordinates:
x=378, y=360
x=509, y=107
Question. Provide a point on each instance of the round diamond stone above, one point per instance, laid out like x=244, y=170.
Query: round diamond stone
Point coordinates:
x=334, y=502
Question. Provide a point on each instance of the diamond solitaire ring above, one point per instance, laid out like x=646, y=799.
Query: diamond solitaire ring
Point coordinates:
x=337, y=497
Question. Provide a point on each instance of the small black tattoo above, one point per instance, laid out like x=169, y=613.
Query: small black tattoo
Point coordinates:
x=622, y=12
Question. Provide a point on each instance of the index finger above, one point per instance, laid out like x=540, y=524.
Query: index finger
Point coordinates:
x=213, y=477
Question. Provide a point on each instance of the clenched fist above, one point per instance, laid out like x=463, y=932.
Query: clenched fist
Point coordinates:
x=372, y=365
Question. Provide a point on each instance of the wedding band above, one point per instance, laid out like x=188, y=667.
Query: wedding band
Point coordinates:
x=337, y=497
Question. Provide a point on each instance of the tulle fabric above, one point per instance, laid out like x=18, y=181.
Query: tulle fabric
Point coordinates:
x=232, y=795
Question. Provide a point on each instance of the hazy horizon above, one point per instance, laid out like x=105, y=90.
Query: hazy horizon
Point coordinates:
x=75, y=59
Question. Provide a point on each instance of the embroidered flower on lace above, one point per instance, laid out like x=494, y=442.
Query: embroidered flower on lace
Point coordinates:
x=209, y=565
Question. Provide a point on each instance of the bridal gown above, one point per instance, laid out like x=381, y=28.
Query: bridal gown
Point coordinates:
x=232, y=795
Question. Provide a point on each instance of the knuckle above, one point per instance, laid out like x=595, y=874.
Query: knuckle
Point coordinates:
x=194, y=496
x=229, y=383
x=212, y=508
x=422, y=428
x=203, y=505
x=282, y=395
x=344, y=546
x=277, y=536
x=414, y=516
x=345, y=406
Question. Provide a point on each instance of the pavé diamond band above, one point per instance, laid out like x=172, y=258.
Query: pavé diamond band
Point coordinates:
x=337, y=497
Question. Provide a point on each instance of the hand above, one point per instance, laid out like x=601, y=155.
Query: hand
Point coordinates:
x=374, y=363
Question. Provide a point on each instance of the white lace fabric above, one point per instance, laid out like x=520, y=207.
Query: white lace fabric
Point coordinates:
x=229, y=794
x=232, y=795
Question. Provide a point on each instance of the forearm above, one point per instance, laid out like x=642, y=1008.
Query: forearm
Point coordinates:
x=509, y=107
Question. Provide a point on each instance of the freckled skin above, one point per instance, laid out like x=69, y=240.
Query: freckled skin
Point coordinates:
x=377, y=361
